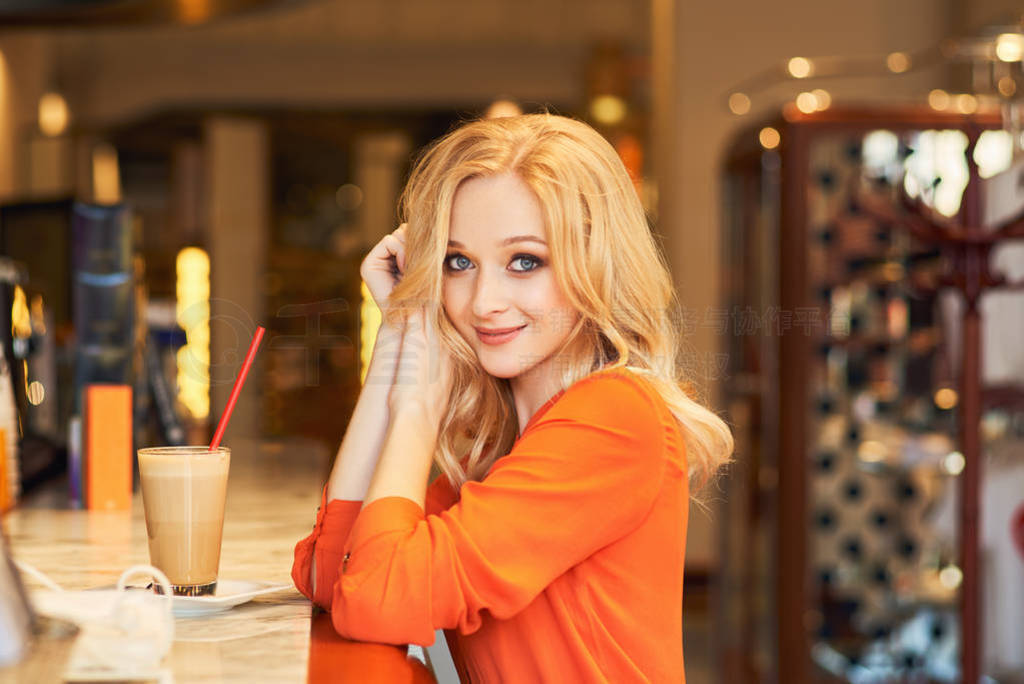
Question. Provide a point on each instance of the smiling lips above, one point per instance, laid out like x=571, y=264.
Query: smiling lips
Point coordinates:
x=497, y=336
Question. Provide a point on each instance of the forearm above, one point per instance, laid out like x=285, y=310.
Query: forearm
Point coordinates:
x=364, y=438
x=404, y=465
x=366, y=431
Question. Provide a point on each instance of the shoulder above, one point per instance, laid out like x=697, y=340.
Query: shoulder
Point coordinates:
x=622, y=383
x=610, y=396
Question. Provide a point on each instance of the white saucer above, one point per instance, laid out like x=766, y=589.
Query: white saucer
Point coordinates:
x=229, y=593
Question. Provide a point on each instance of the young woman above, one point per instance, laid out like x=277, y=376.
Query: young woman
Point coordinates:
x=530, y=350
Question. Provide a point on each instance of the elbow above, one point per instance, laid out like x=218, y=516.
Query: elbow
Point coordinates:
x=360, y=615
x=307, y=575
x=302, y=576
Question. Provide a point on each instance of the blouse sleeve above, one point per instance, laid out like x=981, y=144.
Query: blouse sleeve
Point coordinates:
x=333, y=522
x=584, y=476
x=326, y=542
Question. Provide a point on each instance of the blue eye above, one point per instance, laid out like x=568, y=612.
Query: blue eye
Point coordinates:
x=452, y=257
x=529, y=259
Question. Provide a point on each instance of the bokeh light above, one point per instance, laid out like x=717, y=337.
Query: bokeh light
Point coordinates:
x=946, y=398
x=807, y=103
x=938, y=100
x=898, y=62
x=769, y=138
x=53, y=114
x=739, y=104
x=608, y=109
x=800, y=67
x=1010, y=47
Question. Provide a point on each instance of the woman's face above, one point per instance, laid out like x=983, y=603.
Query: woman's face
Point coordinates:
x=497, y=276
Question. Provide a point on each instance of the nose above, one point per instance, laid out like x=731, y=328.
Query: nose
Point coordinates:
x=489, y=295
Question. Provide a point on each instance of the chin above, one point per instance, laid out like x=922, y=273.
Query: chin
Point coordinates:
x=506, y=371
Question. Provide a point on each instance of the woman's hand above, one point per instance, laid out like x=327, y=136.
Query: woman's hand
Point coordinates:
x=417, y=403
x=423, y=379
x=384, y=265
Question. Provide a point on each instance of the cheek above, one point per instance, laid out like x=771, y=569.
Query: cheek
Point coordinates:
x=448, y=296
x=548, y=299
x=454, y=302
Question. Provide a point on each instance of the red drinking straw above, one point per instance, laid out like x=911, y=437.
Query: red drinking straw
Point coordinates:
x=237, y=389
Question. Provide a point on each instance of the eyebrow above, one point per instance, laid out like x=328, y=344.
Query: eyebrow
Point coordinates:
x=504, y=243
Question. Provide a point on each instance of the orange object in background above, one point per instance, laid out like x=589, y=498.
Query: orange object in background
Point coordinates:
x=334, y=659
x=108, y=447
x=631, y=152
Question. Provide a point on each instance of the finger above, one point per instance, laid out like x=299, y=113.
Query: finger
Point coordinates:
x=398, y=244
x=394, y=244
x=379, y=253
x=400, y=256
x=391, y=247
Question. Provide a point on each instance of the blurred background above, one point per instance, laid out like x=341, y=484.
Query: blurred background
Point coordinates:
x=836, y=187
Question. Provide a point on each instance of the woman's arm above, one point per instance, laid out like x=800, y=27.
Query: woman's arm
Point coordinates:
x=417, y=401
x=364, y=437
x=404, y=466
x=357, y=457
x=381, y=271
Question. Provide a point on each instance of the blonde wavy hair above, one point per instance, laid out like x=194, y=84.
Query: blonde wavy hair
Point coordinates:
x=605, y=261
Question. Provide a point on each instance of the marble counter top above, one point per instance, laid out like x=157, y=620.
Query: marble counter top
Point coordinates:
x=273, y=493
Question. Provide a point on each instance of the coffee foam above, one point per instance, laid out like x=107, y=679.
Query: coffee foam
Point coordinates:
x=164, y=465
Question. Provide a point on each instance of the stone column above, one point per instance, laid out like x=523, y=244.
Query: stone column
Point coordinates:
x=237, y=233
x=379, y=160
x=26, y=62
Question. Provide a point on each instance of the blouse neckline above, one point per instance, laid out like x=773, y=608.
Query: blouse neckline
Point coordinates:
x=545, y=406
x=540, y=412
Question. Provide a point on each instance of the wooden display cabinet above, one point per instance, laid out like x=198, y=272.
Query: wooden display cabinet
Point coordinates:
x=842, y=391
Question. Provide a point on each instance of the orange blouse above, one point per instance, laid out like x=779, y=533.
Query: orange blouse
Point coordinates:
x=564, y=564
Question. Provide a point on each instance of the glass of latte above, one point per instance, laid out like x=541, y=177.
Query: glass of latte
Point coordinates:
x=183, y=492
